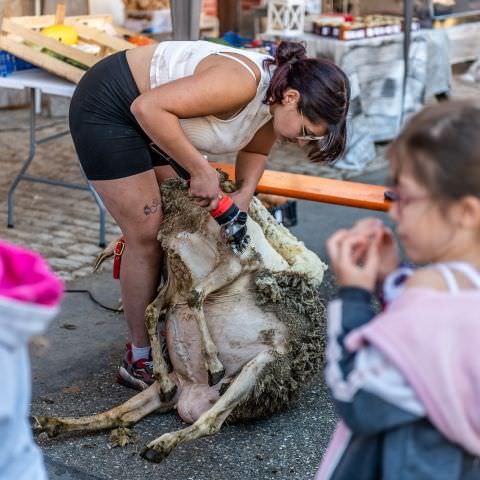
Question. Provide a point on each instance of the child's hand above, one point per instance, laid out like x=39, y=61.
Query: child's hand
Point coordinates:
x=355, y=259
x=388, y=252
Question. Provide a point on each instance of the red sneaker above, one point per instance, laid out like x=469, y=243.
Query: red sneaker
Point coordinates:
x=137, y=375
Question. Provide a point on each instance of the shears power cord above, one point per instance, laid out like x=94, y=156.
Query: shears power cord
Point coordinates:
x=94, y=300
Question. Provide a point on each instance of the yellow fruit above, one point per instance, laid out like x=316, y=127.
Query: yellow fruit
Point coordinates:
x=62, y=33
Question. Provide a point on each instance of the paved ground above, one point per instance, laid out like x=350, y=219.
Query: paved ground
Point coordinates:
x=75, y=373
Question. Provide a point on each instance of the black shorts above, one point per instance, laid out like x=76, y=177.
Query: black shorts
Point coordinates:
x=109, y=141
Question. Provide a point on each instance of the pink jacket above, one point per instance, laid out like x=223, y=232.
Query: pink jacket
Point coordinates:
x=29, y=298
x=432, y=338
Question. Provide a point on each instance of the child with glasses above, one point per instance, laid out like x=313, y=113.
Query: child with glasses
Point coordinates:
x=406, y=382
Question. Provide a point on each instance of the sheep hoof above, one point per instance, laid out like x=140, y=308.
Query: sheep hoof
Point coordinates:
x=153, y=455
x=50, y=425
x=215, y=377
x=168, y=395
x=224, y=388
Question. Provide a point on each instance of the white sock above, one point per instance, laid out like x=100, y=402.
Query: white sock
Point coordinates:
x=140, y=352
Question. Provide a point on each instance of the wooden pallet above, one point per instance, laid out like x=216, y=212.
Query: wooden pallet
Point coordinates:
x=22, y=37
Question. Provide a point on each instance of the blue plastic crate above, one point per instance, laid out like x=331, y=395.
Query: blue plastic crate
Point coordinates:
x=10, y=63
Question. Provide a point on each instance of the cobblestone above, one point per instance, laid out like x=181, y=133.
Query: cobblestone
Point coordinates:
x=62, y=224
x=65, y=264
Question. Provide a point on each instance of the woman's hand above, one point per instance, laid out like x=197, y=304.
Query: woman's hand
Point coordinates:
x=205, y=187
x=241, y=199
x=351, y=268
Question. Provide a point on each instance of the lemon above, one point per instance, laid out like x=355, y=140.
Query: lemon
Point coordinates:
x=62, y=33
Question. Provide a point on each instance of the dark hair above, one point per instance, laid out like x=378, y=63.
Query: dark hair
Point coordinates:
x=441, y=147
x=324, y=94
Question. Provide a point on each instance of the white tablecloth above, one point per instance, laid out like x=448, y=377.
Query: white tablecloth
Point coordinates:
x=37, y=78
x=375, y=69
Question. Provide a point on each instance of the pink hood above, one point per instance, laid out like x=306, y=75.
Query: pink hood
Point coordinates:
x=29, y=294
x=433, y=338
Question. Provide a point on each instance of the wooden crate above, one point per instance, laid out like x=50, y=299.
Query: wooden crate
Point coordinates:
x=22, y=36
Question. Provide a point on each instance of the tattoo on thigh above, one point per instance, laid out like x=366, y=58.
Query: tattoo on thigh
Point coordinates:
x=153, y=208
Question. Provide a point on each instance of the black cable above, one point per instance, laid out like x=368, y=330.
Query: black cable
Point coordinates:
x=94, y=300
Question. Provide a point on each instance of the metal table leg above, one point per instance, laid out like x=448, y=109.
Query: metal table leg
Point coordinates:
x=101, y=211
x=22, y=175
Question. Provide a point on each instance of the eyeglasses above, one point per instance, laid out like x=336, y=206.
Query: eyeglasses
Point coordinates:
x=401, y=200
x=304, y=136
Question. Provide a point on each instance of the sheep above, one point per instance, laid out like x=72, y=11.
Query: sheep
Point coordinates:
x=244, y=332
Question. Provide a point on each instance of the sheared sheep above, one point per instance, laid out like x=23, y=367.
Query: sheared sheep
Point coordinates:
x=244, y=333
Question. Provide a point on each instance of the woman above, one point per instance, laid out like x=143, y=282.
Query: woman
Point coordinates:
x=191, y=99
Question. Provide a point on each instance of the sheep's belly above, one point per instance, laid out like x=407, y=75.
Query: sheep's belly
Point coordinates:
x=239, y=328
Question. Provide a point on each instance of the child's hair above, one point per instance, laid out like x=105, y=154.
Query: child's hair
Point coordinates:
x=324, y=94
x=440, y=146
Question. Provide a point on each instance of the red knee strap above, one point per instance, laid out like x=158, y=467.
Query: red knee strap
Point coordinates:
x=117, y=257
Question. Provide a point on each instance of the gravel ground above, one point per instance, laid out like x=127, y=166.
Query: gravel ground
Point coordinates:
x=288, y=445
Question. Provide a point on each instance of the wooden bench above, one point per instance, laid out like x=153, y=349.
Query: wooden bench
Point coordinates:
x=318, y=189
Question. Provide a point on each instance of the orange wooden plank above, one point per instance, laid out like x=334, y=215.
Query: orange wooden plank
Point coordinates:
x=318, y=189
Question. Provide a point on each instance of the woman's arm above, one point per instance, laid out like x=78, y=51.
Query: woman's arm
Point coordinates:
x=216, y=90
x=250, y=165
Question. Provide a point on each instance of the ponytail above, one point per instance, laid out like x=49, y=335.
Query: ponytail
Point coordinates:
x=286, y=55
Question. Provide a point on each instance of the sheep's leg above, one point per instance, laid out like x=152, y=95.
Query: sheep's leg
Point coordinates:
x=224, y=274
x=107, y=252
x=211, y=421
x=160, y=368
x=215, y=368
x=123, y=415
x=300, y=258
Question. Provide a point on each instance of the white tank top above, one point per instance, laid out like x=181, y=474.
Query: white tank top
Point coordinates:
x=210, y=134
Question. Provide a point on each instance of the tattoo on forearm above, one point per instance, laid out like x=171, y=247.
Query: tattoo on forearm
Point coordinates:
x=153, y=208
